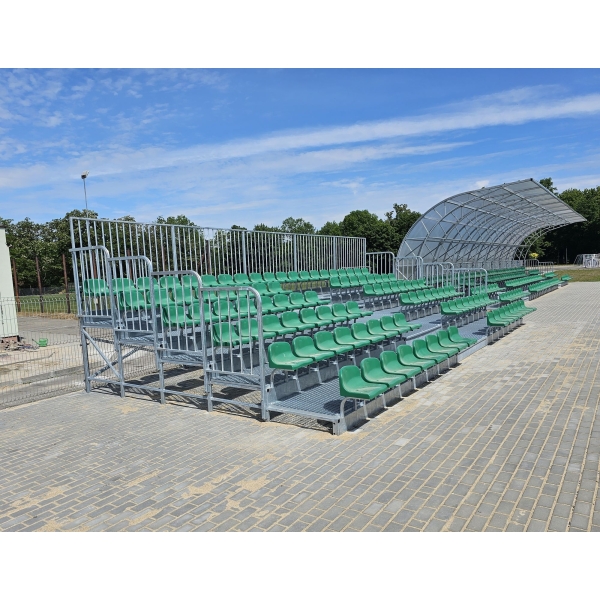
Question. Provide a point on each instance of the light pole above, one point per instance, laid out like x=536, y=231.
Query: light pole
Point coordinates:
x=84, y=177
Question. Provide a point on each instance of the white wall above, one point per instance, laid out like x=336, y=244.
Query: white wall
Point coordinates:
x=8, y=308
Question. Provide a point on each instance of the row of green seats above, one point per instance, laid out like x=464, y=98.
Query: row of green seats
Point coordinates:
x=280, y=276
x=491, y=289
x=377, y=375
x=368, y=279
x=342, y=340
x=506, y=315
x=428, y=296
x=465, y=305
x=566, y=278
x=549, y=275
x=521, y=281
x=512, y=296
x=544, y=285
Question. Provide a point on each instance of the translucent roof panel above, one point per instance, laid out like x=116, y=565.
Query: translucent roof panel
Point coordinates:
x=488, y=224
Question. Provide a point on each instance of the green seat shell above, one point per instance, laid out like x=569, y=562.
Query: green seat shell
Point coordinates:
x=122, y=284
x=195, y=312
x=374, y=328
x=352, y=385
x=226, y=279
x=400, y=319
x=353, y=308
x=133, y=299
x=387, y=324
x=324, y=340
x=344, y=337
x=224, y=334
x=371, y=371
x=95, y=287
x=407, y=357
x=256, y=278
x=433, y=345
x=291, y=319
x=309, y=316
x=421, y=351
x=281, y=357
x=304, y=347
x=297, y=300
x=445, y=341
x=282, y=301
x=248, y=328
x=391, y=364
x=272, y=324
x=325, y=313
x=312, y=297
x=360, y=332
x=242, y=279
x=143, y=283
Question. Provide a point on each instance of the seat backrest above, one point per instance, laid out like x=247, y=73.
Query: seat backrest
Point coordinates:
x=340, y=333
x=389, y=360
x=241, y=279
x=350, y=377
x=279, y=351
x=311, y=295
x=209, y=281
x=270, y=321
x=168, y=281
x=314, y=273
x=333, y=273
x=260, y=287
x=225, y=279
x=359, y=329
x=296, y=298
x=274, y=286
x=324, y=312
x=143, y=283
x=351, y=305
x=302, y=345
x=304, y=274
x=256, y=277
x=405, y=352
x=293, y=274
x=281, y=276
x=374, y=326
x=339, y=310
x=121, y=284
x=370, y=368
x=268, y=277
x=324, y=273
x=280, y=300
x=289, y=317
x=95, y=286
x=324, y=340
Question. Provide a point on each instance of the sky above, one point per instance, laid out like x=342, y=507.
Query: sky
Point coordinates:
x=255, y=146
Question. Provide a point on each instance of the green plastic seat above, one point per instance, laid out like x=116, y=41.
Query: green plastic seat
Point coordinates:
x=282, y=301
x=226, y=279
x=391, y=364
x=224, y=334
x=314, y=275
x=122, y=284
x=282, y=277
x=195, y=312
x=374, y=328
x=224, y=309
x=293, y=276
x=270, y=278
x=304, y=347
x=242, y=279
x=433, y=345
x=312, y=297
x=421, y=351
x=324, y=274
x=291, y=319
x=268, y=306
x=326, y=314
x=274, y=287
x=324, y=340
x=339, y=310
x=387, y=324
x=360, y=332
x=245, y=308
x=445, y=341
x=174, y=315
x=281, y=357
x=272, y=324
x=371, y=371
x=262, y=289
x=143, y=283
x=310, y=317
x=343, y=336
x=256, y=278
x=248, y=328
x=407, y=357
x=352, y=385
x=304, y=276
x=297, y=301
x=400, y=320
x=168, y=281
x=353, y=308
x=209, y=281
x=182, y=295
x=161, y=296
x=133, y=299
x=95, y=287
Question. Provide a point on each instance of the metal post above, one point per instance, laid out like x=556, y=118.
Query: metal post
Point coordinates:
x=66, y=284
x=335, y=253
x=39, y=278
x=174, y=247
x=244, y=252
x=295, y=253
x=16, y=284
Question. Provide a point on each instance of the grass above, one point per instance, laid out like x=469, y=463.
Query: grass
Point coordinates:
x=580, y=274
x=53, y=304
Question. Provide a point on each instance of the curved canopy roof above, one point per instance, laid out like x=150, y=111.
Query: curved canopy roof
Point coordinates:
x=485, y=225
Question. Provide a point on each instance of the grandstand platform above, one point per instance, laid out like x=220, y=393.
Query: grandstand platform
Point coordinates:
x=507, y=441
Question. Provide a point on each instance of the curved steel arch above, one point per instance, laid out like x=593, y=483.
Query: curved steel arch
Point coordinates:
x=485, y=225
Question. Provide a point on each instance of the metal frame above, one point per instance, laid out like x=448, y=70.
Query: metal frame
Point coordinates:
x=482, y=228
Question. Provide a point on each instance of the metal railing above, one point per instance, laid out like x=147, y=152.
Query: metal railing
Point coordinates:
x=215, y=251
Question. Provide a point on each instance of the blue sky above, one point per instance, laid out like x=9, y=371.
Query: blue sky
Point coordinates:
x=250, y=146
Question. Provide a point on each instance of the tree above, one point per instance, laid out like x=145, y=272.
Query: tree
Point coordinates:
x=291, y=225
x=380, y=235
x=402, y=220
x=548, y=184
x=178, y=220
x=330, y=228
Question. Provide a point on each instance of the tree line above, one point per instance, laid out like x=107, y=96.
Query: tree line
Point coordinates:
x=49, y=241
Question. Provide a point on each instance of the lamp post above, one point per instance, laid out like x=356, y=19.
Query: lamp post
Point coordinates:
x=84, y=177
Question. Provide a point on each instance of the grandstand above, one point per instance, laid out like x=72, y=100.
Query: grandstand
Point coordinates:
x=306, y=325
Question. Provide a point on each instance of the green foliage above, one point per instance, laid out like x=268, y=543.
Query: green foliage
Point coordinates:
x=291, y=225
x=401, y=218
x=380, y=235
x=548, y=184
x=178, y=220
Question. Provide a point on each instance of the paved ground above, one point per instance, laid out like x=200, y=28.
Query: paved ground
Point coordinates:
x=509, y=440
